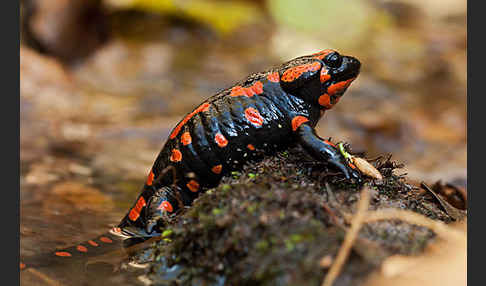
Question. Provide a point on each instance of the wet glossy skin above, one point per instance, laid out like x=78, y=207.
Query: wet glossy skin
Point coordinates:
x=262, y=114
x=258, y=116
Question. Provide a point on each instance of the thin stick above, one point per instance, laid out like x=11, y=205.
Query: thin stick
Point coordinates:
x=349, y=239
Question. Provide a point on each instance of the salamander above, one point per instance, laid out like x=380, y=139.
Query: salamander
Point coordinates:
x=260, y=115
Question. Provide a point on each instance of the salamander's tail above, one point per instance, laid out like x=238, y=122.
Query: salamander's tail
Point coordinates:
x=114, y=241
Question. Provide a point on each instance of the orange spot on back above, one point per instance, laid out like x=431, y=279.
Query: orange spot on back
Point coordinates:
x=322, y=54
x=186, y=138
x=251, y=147
x=340, y=86
x=237, y=91
x=63, y=254
x=256, y=88
x=273, y=77
x=325, y=100
x=217, y=169
x=82, y=248
x=352, y=165
x=220, y=140
x=135, y=212
x=176, y=155
x=324, y=75
x=105, y=239
x=92, y=243
x=294, y=73
x=166, y=206
x=150, y=178
x=253, y=116
x=202, y=108
x=22, y=266
x=297, y=121
x=193, y=186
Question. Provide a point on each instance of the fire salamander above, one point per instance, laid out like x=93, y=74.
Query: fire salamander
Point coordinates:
x=264, y=113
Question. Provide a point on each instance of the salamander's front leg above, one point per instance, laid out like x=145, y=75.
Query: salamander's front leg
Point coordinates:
x=325, y=151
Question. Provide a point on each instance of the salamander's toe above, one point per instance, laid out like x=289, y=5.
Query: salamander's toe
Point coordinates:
x=349, y=173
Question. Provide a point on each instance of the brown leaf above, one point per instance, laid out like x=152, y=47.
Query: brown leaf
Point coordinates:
x=453, y=212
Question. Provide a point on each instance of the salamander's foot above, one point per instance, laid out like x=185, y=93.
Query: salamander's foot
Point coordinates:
x=349, y=172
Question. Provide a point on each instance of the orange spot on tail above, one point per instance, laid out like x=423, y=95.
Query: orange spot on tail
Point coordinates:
x=105, y=239
x=63, y=254
x=294, y=73
x=186, y=138
x=273, y=77
x=133, y=215
x=150, y=178
x=135, y=211
x=251, y=147
x=92, y=243
x=176, y=155
x=253, y=116
x=220, y=140
x=22, y=266
x=217, y=169
x=82, y=248
x=193, y=186
x=202, y=108
x=297, y=121
x=325, y=100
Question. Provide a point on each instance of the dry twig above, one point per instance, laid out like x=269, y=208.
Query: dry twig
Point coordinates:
x=351, y=235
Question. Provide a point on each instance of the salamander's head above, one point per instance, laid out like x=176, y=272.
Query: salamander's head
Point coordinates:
x=320, y=78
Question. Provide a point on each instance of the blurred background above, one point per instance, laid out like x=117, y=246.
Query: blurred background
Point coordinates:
x=103, y=82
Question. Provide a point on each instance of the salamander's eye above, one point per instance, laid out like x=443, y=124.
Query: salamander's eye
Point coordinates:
x=333, y=60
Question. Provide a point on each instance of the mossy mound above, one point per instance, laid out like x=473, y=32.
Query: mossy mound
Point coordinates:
x=273, y=222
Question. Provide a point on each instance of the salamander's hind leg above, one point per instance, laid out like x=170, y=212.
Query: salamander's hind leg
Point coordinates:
x=324, y=150
x=161, y=207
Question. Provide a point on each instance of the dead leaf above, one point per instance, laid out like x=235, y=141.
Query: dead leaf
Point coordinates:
x=453, y=212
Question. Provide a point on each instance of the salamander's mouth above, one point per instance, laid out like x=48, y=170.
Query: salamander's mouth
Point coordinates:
x=337, y=75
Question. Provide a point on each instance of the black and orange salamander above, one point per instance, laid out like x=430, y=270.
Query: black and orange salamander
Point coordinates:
x=266, y=112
